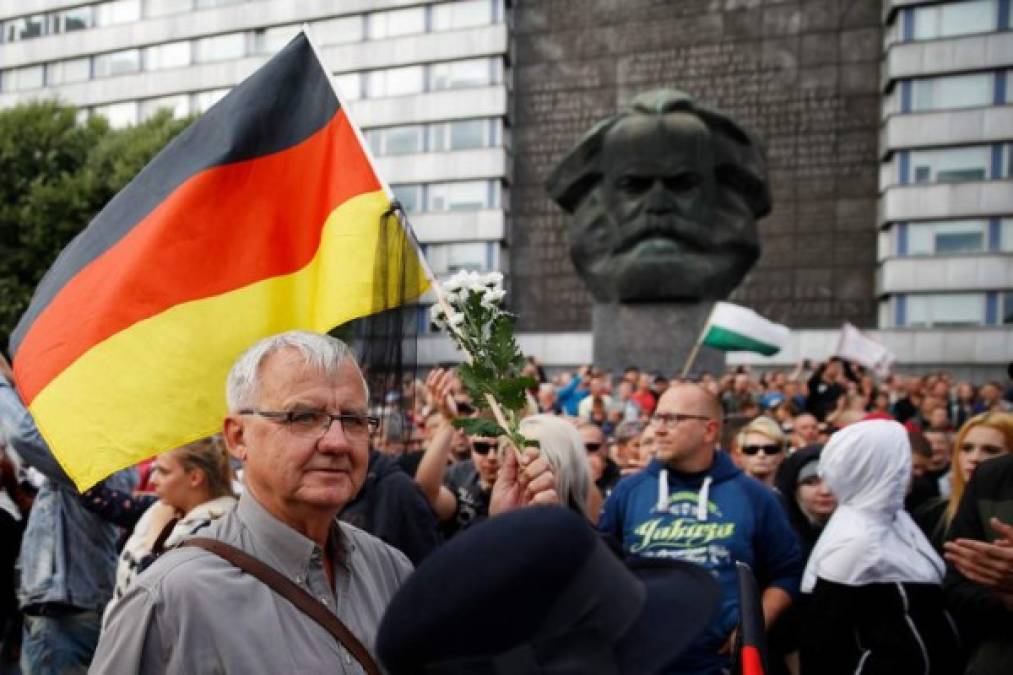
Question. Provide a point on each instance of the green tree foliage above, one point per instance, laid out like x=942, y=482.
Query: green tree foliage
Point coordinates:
x=56, y=174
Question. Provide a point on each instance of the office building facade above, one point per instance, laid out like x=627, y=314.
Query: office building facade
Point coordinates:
x=889, y=132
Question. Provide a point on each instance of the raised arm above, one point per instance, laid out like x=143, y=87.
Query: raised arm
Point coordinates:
x=433, y=466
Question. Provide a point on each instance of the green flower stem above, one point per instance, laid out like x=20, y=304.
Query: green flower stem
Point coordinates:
x=469, y=351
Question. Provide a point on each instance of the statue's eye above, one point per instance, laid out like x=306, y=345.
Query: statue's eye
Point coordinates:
x=633, y=184
x=683, y=182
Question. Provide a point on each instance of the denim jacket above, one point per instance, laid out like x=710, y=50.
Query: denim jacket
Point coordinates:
x=68, y=554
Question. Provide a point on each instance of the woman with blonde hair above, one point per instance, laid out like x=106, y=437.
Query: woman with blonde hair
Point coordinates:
x=759, y=449
x=983, y=437
x=193, y=486
x=560, y=444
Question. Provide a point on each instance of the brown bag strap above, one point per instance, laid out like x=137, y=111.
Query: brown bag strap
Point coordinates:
x=293, y=593
x=158, y=548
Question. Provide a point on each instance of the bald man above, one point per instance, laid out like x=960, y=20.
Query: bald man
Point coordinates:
x=691, y=503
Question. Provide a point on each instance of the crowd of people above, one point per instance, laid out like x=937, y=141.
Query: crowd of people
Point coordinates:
x=876, y=515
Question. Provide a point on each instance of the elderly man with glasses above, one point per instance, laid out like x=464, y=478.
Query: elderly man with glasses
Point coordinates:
x=309, y=591
x=691, y=503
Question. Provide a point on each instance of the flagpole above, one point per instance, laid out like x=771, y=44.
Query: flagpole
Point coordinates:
x=403, y=219
x=699, y=343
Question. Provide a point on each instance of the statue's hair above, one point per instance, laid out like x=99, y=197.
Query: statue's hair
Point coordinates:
x=739, y=162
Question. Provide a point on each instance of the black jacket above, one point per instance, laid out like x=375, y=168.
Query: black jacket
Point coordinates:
x=392, y=507
x=980, y=614
x=878, y=629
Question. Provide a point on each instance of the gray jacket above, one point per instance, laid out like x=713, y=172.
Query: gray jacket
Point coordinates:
x=68, y=554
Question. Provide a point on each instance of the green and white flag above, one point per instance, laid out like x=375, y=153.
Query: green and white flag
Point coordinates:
x=732, y=328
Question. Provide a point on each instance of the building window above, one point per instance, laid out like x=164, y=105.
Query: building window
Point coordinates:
x=78, y=18
x=955, y=91
x=460, y=196
x=119, y=11
x=927, y=310
x=66, y=72
x=32, y=27
x=220, y=48
x=450, y=258
x=349, y=86
x=464, y=74
x=404, y=140
x=20, y=79
x=1007, y=308
x=397, y=22
x=395, y=81
x=271, y=40
x=463, y=134
x=950, y=165
x=179, y=105
x=153, y=8
x=203, y=100
x=339, y=31
x=410, y=196
x=117, y=63
x=1006, y=235
x=954, y=18
x=947, y=237
x=119, y=115
x=169, y=55
x=208, y=4
x=454, y=15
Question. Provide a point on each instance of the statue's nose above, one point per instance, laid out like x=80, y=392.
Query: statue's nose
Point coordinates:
x=659, y=201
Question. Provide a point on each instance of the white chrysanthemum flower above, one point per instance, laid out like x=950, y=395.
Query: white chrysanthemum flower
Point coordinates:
x=456, y=320
x=437, y=314
x=477, y=288
x=494, y=279
x=493, y=297
x=455, y=283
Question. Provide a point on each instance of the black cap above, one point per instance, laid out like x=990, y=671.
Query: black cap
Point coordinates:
x=537, y=591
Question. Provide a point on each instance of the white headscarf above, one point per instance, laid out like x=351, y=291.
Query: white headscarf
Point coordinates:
x=870, y=538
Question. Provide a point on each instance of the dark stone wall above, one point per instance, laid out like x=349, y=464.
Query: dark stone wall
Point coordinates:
x=802, y=74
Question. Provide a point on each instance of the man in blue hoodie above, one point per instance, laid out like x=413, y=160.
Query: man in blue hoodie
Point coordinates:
x=693, y=504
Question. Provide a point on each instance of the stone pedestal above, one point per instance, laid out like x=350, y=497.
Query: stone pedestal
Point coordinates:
x=656, y=337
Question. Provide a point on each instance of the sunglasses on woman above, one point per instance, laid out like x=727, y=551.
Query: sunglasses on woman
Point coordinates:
x=771, y=449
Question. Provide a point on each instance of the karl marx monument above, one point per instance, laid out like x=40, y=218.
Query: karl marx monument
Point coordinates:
x=664, y=196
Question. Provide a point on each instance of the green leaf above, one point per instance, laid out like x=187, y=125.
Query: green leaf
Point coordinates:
x=511, y=391
x=479, y=426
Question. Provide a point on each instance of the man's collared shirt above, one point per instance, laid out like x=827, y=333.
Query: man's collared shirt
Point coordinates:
x=194, y=612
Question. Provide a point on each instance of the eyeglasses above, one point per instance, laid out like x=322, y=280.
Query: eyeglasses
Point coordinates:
x=670, y=420
x=315, y=423
x=771, y=449
x=592, y=447
x=483, y=447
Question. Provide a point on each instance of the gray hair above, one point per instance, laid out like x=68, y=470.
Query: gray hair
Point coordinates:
x=321, y=353
x=561, y=446
x=627, y=431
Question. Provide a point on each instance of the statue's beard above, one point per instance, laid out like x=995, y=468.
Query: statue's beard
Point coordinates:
x=653, y=258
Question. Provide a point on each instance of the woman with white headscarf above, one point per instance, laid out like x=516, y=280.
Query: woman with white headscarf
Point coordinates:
x=877, y=601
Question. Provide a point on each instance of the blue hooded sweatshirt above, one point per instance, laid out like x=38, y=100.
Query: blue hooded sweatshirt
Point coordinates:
x=713, y=518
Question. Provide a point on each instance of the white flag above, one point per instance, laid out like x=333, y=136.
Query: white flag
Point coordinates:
x=856, y=346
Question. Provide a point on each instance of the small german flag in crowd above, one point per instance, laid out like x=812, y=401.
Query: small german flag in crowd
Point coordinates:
x=265, y=215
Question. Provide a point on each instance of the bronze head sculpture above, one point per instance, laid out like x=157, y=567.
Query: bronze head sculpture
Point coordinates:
x=665, y=197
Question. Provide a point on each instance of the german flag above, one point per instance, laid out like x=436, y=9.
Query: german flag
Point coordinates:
x=265, y=215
